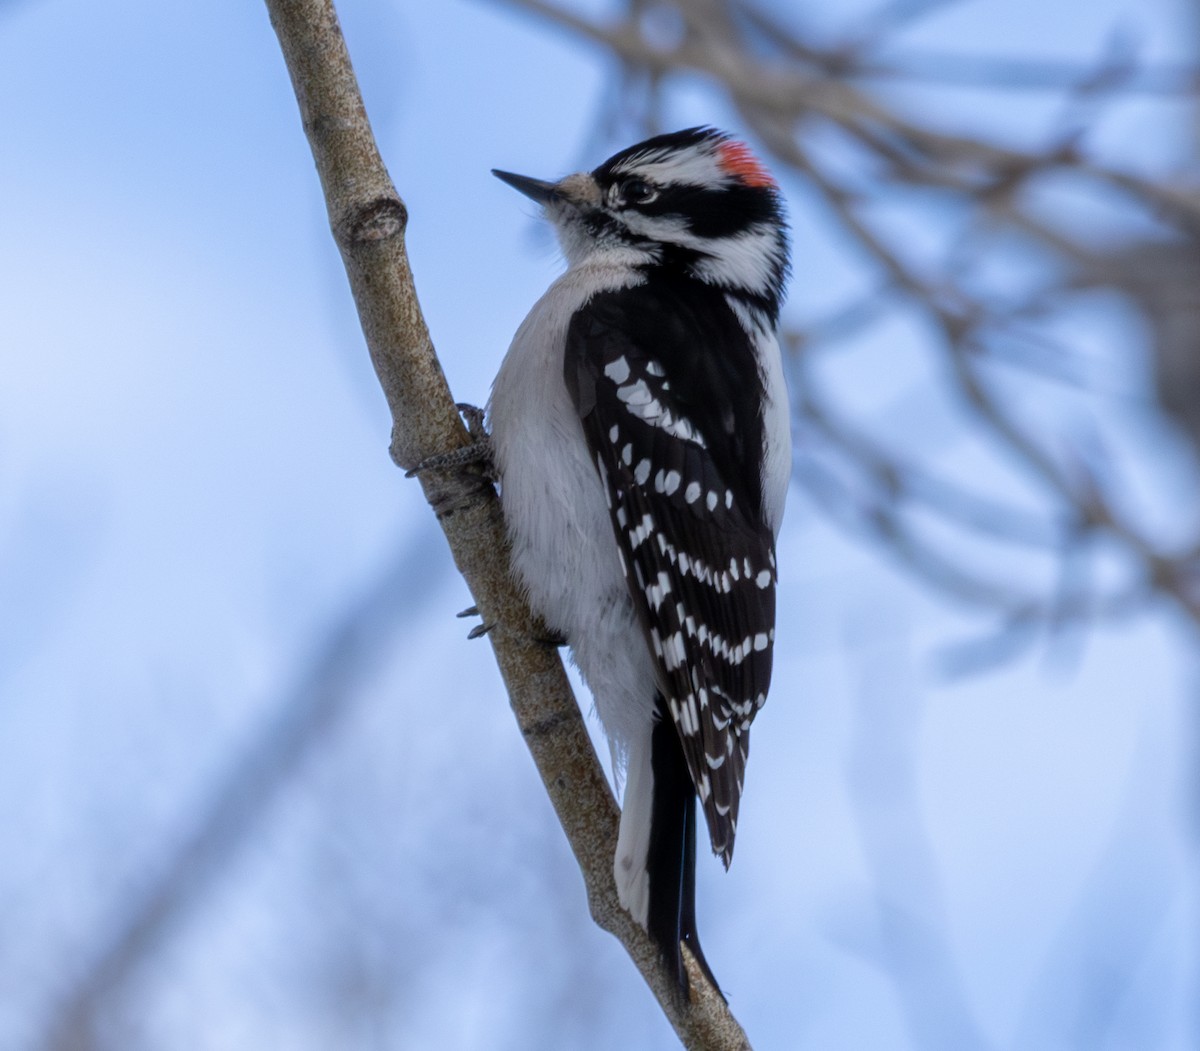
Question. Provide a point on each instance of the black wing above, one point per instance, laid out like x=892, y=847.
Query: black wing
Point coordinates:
x=668, y=391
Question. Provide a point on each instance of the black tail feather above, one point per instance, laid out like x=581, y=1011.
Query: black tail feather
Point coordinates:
x=671, y=862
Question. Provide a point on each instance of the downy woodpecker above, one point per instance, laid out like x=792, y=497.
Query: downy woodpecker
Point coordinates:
x=641, y=439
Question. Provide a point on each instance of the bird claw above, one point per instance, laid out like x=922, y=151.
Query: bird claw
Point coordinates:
x=480, y=629
x=473, y=416
x=479, y=451
x=464, y=456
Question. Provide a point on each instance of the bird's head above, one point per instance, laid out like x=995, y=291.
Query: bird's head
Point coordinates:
x=696, y=200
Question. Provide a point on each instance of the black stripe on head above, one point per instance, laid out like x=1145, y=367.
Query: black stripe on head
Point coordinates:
x=601, y=226
x=720, y=212
x=605, y=228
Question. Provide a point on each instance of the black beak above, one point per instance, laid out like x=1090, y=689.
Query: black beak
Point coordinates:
x=535, y=189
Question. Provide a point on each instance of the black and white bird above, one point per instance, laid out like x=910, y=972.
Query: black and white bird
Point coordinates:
x=641, y=439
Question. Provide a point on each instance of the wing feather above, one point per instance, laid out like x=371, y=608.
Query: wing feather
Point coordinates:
x=675, y=446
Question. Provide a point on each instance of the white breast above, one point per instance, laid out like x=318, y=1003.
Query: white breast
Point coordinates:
x=553, y=501
x=563, y=550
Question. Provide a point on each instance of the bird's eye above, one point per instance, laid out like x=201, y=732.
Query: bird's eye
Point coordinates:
x=638, y=191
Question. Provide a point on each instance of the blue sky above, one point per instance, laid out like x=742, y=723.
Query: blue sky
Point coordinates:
x=194, y=483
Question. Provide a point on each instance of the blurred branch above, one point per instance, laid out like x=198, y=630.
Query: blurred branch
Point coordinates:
x=856, y=58
x=822, y=111
x=778, y=92
x=1093, y=976
x=305, y=715
x=1070, y=485
x=894, y=481
x=912, y=947
x=368, y=221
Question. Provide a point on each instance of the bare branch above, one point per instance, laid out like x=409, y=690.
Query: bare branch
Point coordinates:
x=368, y=221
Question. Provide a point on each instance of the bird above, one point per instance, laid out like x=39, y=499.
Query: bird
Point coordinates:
x=640, y=436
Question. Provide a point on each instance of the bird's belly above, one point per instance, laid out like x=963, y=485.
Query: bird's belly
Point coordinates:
x=564, y=554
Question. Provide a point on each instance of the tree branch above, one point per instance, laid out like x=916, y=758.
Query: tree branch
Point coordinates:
x=368, y=221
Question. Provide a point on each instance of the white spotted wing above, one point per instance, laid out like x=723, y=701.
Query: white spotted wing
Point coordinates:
x=664, y=389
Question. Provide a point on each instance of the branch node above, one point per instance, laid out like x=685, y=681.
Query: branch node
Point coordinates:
x=377, y=220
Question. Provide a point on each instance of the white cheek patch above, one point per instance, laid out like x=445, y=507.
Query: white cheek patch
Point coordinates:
x=667, y=228
x=750, y=259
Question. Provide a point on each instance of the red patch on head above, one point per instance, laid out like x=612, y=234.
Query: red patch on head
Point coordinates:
x=736, y=159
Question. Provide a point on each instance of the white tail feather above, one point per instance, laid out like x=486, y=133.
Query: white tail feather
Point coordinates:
x=633, y=840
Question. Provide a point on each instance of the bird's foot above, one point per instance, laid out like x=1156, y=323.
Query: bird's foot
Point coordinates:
x=479, y=451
